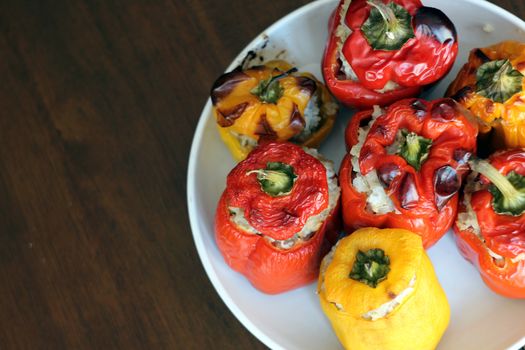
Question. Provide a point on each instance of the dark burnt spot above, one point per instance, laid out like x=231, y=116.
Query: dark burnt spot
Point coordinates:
x=306, y=84
x=297, y=122
x=471, y=70
x=392, y=295
x=259, y=67
x=250, y=56
x=290, y=213
x=339, y=74
x=481, y=55
x=462, y=155
x=308, y=236
x=264, y=130
x=288, y=218
x=446, y=185
x=489, y=106
x=387, y=173
x=419, y=107
x=225, y=84
x=444, y=109
x=485, y=145
x=380, y=130
x=462, y=93
x=499, y=262
x=408, y=195
x=430, y=21
x=228, y=117
x=280, y=54
x=365, y=121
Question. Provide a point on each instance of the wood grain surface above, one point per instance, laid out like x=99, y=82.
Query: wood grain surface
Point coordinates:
x=99, y=101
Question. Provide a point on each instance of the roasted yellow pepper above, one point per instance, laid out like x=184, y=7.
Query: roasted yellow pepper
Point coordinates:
x=271, y=102
x=492, y=87
x=379, y=290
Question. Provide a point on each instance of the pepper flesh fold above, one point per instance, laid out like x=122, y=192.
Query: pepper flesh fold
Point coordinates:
x=422, y=200
x=416, y=322
x=361, y=76
x=506, y=119
x=494, y=243
x=246, y=116
x=279, y=243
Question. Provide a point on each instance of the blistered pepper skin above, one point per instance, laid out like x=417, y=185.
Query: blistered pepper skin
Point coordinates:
x=506, y=119
x=502, y=234
x=422, y=60
x=417, y=323
x=419, y=205
x=269, y=268
x=244, y=120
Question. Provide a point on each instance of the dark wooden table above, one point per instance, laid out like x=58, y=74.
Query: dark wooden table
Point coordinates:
x=98, y=103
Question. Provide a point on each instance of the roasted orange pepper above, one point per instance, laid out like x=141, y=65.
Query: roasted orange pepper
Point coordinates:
x=271, y=102
x=492, y=87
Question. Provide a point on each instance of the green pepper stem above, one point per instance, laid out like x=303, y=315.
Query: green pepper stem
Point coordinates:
x=415, y=148
x=276, y=180
x=274, y=176
x=269, y=90
x=388, y=26
x=282, y=75
x=498, y=80
x=501, y=80
x=370, y=267
x=508, y=192
x=388, y=15
x=498, y=179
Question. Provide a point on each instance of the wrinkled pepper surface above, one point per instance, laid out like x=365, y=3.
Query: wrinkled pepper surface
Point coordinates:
x=381, y=51
x=271, y=102
x=492, y=87
x=379, y=291
x=490, y=228
x=274, y=219
x=405, y=166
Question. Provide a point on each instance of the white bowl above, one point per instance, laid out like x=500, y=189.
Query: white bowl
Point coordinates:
x=480, y=319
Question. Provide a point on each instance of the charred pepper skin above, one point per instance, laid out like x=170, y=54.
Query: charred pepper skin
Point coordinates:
x=499, y=108
x=270, y=268
x=425, y=200
x=268, y=103
x=422, y=60
x=503, y=235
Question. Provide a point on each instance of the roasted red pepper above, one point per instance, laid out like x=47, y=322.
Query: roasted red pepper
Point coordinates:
x=381, y=51
x=272, y=219
x=405, y=167
x=490, y=228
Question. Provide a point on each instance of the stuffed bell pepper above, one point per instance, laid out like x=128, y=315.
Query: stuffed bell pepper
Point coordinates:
x=405, y=167
x=271, y=102
x=490, y=228
x=273, y=219
x=381, y=51
x=492, y=87
x=379, y=291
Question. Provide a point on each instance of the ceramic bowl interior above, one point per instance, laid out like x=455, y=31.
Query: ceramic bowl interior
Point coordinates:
x=480, y=319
